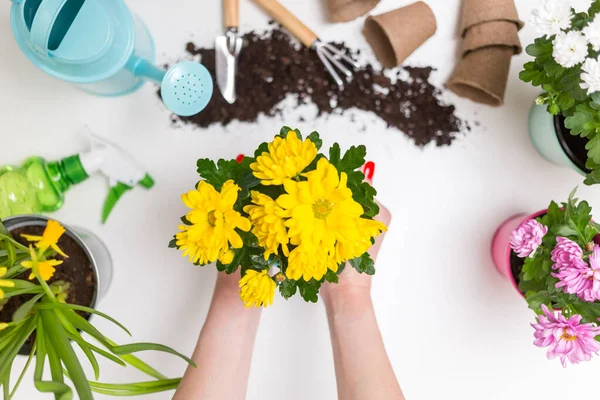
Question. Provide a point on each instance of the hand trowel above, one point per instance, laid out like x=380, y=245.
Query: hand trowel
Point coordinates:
x=227, y=49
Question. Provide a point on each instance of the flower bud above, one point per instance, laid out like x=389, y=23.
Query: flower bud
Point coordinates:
x=540, y=100
x=589, y=247
x=279, y=277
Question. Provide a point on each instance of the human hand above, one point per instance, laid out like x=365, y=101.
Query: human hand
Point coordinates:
x=354, y=285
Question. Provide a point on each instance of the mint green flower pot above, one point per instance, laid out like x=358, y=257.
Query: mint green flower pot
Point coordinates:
x=546, y=138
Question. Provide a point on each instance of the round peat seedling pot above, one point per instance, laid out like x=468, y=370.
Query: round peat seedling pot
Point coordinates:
x=88, y=269
x=554, y=141
x=506, y=262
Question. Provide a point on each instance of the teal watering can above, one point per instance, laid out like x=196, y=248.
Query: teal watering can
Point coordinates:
x=105, y=50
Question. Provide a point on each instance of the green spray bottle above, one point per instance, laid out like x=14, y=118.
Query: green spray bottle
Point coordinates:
x=38, y=186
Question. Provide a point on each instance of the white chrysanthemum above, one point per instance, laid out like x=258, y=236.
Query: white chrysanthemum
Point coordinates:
x=591, y=75
x=570, y=48
x=552, y=17
x=592, y=33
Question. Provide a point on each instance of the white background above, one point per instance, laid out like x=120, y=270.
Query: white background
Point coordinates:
x=452, y=326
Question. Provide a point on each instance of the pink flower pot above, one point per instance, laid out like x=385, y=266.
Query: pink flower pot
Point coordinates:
x=501, y=245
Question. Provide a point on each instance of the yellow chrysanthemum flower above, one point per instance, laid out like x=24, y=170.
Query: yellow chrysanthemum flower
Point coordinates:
x=321, y=209
x=49, y=239
x=348, y=251
x=287, y=158
x=214, y=221
x=44, y=268
x=4, y=282
x=309, y=263
x=267, y=224
x=257, y=289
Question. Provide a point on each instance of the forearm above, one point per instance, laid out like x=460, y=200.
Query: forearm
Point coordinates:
x=224, y=350
x=362, y=366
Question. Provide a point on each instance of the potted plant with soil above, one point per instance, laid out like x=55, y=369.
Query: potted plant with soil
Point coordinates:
x=553, y=259
x=564, y=122
x=50, y=280
x=287, y=218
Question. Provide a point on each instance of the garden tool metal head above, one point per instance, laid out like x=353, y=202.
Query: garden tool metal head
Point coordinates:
x=227, y=50
x=334, y=59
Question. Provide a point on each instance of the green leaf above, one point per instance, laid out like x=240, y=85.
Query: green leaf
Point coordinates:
x=535, y=268
x=288, y=288
x=594, y=9
x=135, y=389
x=25, y=309
x=364, y=264
x=572, y=85
x=353, y=159
x=21, y=334
x=554, y=216
x=262, y=148
x=173, y=243
x=593, y=147
x=331, y=276
x=316, y=139
x=59, y=341
x=60, y=390
x=536, y=300
x=60, y=306
x=185, y=221
x=554, y=109
x=286, y=129
x=309, y=290
x=565, y=101
x=566, y=231
x=553, y=68
x=593, y=178
x=220, y=173
x=3, y=230
x=581, y=123
x=82, y=324
x=76, y=337
x=532, y=75
x=335, y=154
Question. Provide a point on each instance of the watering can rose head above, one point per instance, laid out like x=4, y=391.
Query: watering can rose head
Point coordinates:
x=560, y=278
x=287, y=218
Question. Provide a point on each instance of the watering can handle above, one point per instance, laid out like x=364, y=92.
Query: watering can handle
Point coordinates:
x=43, y=22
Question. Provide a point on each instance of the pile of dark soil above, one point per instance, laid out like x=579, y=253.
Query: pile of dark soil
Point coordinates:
x=272, y=67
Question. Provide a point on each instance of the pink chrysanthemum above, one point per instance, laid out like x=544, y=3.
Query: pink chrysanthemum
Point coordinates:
x=527, y=238
x=567, y=254
x=581, y=279
x=567, y=339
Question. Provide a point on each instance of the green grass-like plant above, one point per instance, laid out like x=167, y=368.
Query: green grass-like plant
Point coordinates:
x=58, y=327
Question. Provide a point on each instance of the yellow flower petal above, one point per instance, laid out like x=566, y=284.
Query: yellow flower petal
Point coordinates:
x=6, y=283
x=268, y=225
x=3, y=326
x=214, y=222
x=257, y=289
x=287, y=158
x=50, y=237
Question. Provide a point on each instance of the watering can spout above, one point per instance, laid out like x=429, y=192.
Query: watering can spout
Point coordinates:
x=143, y=68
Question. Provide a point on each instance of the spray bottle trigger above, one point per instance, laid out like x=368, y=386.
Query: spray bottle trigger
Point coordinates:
x=115, y=193
x=147, y=182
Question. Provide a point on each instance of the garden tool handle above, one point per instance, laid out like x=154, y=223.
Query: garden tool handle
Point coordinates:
x=232, y=13
x=289, y=21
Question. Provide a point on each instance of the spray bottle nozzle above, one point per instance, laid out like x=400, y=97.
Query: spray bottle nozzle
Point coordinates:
x=122, y=171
